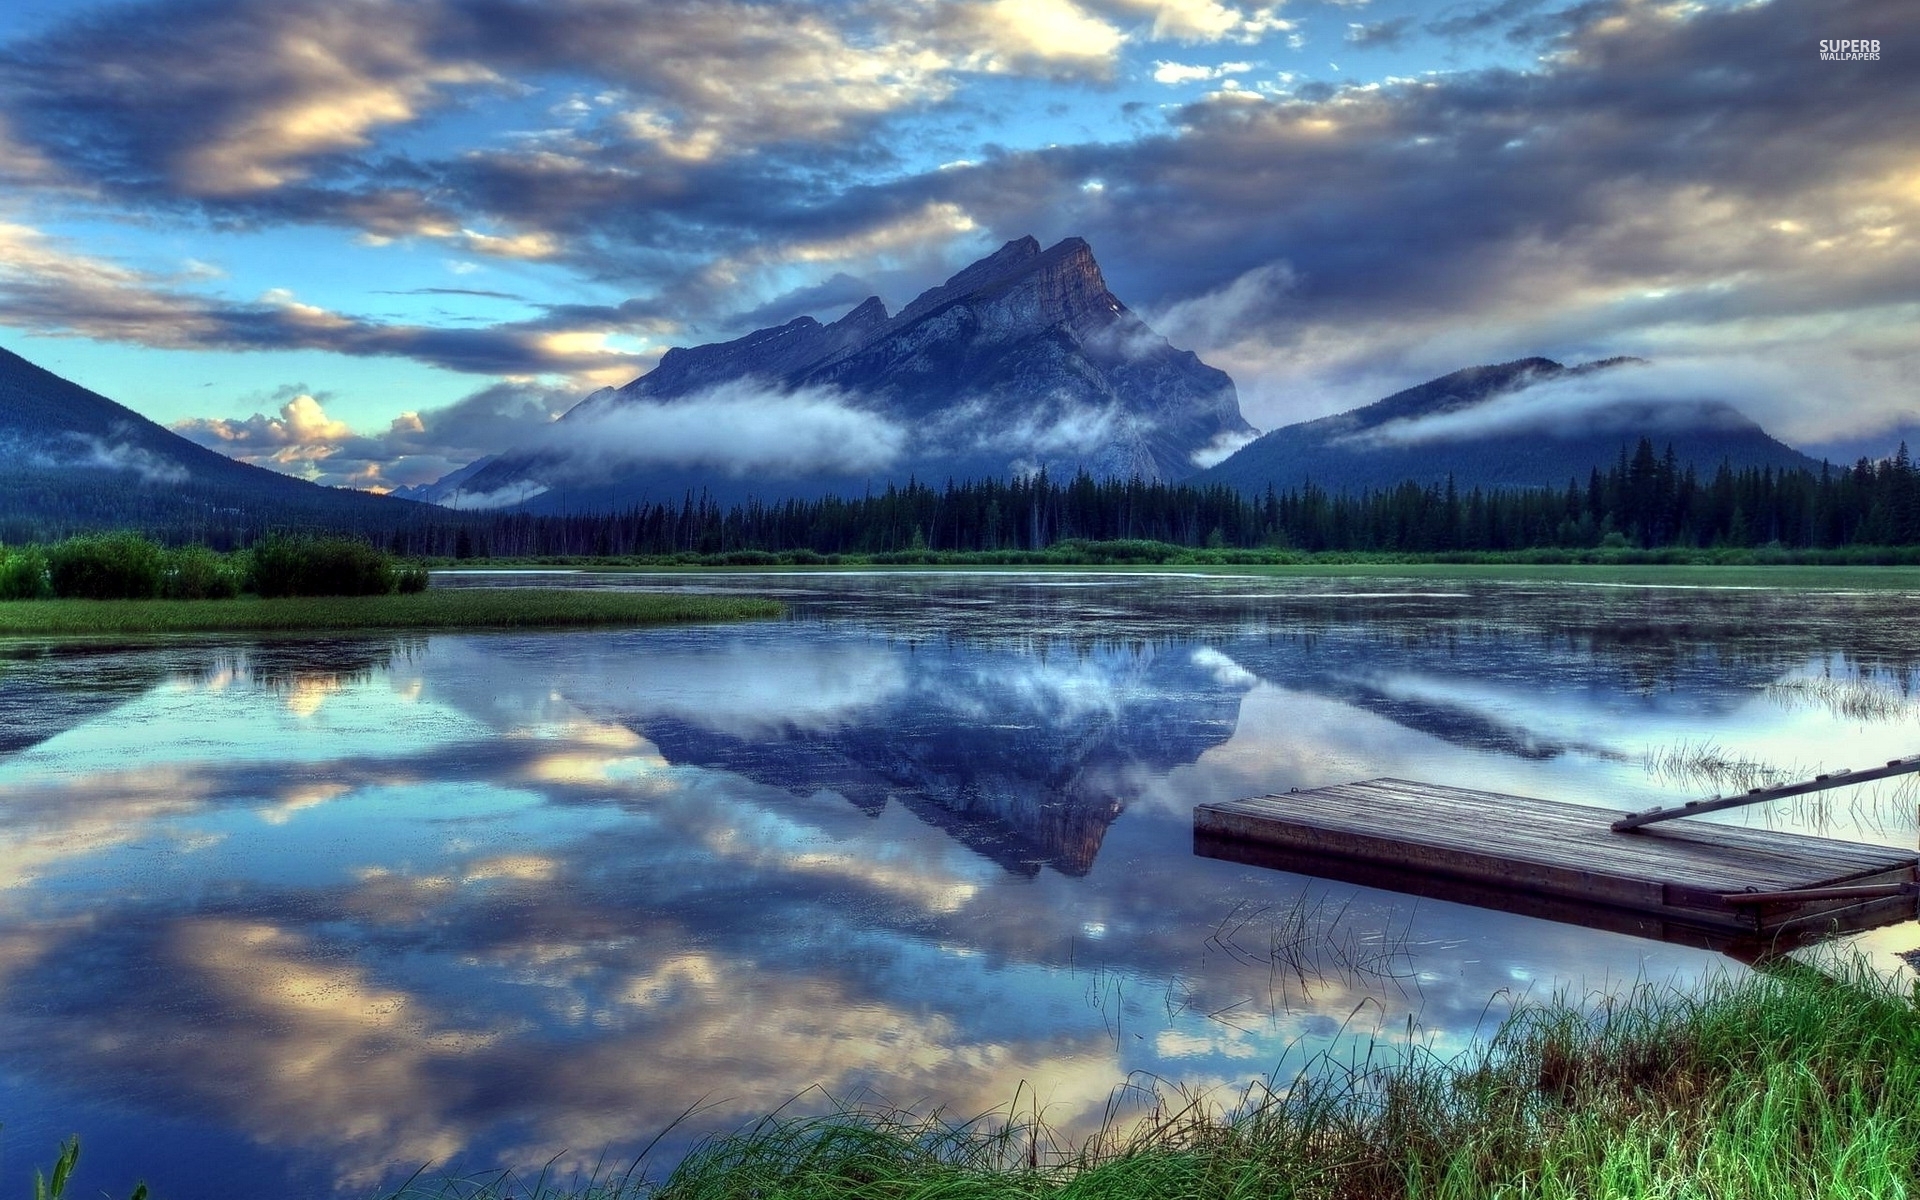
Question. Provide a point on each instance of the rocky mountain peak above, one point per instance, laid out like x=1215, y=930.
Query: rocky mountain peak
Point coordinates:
x=1008, y=260
x=869, y=315
x=1022, y=361
x=1021, y=286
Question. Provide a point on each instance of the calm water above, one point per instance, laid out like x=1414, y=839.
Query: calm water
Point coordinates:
x=294, y=917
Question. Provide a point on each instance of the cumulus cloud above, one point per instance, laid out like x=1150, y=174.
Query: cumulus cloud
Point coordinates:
x=1205, y=20
x=262, y=95
x=415, y=448
x=253, y=93
x=1055, y=37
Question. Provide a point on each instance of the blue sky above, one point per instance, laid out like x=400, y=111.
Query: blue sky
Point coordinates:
x=365, y=241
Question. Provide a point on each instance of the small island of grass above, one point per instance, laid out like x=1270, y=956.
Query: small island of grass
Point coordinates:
x=124, y=584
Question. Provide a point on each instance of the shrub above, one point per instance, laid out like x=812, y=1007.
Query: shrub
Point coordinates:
x=284, y=566
x=411, y=579
x=23, y=574
x=197, y=573
x=112, y=566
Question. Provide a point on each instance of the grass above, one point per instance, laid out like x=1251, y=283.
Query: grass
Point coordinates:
x=1802, y=576
x=452, y=608
x=1704, y=764
x=1789, y=1084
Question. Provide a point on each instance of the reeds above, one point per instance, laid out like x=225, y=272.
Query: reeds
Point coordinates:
x=1705, y=765
x=1849, y=699
x=1789, y=1084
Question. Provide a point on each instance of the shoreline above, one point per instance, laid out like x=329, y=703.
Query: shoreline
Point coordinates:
x=1792, y=576
x=434, y=610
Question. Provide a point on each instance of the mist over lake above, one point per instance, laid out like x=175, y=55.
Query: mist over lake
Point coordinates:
x=298, y=916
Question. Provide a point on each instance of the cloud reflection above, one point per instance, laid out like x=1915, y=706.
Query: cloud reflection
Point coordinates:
x=505, y=895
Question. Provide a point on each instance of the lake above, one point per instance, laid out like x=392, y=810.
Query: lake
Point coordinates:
x=298, y=916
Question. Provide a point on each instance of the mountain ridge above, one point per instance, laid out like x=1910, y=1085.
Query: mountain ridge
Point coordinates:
x=1382, y=444
x=72, y=459
x=1021, y=361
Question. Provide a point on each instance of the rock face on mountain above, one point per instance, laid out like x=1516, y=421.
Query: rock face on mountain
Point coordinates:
x=1489, y=427
x=1022, y=361
x=73, y=460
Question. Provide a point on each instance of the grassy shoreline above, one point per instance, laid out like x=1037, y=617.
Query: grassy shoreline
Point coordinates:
x=1799, y=576
x=1789, y=1085
x=451, y=608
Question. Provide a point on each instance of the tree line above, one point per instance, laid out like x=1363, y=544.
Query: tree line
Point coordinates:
x=1645, y=499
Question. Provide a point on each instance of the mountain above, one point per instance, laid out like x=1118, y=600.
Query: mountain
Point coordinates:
x=445, y=488
x=1489, y=427
x=1022, y=361
x=73, y=460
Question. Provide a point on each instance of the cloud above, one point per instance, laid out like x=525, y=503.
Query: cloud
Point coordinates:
x=255, y=94
x=415, y=448
x=1224, y=315
x=1174, y=74
x=1667, y=183
x=1059, y=426
x=1221, y=448
x=123, y=456
x=49, y=288
x=1632, y=397
x=264, y=95
x=1368, y=35
x=1479, y=20
x=1048, y=37
x=741, y=427
x=1205, y=20
x=1664, y=180
x=837, y=292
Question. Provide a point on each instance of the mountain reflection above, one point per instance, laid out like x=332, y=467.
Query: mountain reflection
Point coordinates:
x=325, y=911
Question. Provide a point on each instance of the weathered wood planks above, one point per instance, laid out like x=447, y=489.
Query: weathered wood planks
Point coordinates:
x=1678, y=871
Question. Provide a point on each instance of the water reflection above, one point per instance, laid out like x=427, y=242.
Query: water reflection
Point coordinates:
x=306, y=914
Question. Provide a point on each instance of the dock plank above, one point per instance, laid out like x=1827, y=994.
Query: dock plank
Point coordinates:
x=1677, y=869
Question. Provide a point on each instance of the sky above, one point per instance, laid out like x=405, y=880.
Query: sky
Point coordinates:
x=368, y=241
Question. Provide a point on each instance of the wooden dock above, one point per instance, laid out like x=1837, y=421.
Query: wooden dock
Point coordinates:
x=1681, y=880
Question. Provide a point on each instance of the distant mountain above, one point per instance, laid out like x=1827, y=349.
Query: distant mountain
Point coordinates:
x=1022, y=361
x=1490, y=427
x=73, y=460
x=445, y=488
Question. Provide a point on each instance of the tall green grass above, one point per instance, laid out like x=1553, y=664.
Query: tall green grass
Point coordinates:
x=1766, y=1088
x=453, y=608
x=127, y=566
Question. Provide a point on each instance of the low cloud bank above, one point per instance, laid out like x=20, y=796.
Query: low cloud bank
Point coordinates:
x=739, y=427
x=1631, y=397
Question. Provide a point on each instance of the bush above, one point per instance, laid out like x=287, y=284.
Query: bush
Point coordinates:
x=23, y=574
x=197, y=573
x=411, y=580
x=284, y=566
x=113, y=566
